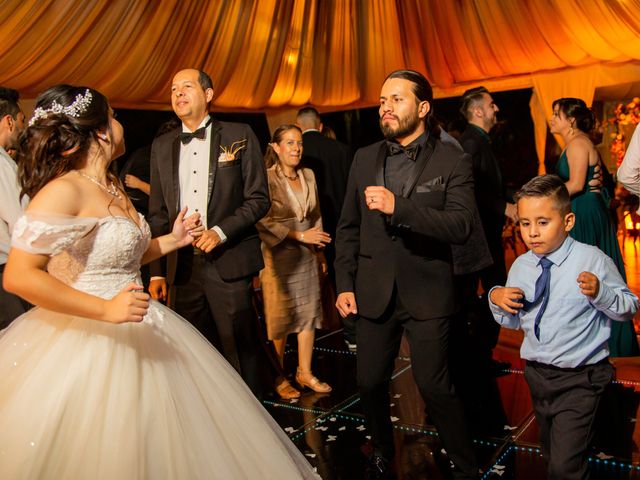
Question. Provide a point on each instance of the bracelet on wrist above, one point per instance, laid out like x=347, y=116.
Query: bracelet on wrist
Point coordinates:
x=302, y=236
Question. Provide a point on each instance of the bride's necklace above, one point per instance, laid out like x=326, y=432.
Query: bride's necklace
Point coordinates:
x=111, y=189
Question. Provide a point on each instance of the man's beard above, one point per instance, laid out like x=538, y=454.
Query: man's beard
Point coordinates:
x=492, y=122
x=406, y=126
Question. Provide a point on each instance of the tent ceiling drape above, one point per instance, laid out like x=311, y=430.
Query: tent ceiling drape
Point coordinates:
x=277, y=54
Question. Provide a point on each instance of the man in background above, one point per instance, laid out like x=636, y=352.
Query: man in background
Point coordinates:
x=11, y=125
x=330, y=161
x=479, y=110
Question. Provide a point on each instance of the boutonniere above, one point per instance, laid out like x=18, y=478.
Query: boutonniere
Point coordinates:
x=228, y=154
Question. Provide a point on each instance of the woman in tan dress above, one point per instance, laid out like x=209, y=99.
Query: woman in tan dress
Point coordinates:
x=292, y=241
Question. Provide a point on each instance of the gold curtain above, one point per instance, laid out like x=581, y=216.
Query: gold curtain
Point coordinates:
x=279, y=54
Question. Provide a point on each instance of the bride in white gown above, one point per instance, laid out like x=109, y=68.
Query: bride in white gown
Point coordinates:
x=98, y=381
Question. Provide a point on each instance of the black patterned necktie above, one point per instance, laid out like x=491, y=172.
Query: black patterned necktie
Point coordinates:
x=541, y=294
x=410, y=151
x=186, y=137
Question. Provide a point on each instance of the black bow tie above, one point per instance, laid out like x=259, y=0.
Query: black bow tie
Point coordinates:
x=410, y=151
x=186, y=137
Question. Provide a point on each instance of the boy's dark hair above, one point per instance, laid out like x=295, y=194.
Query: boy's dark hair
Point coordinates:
x=469, y=98
x=9, y=102
x=547, y=186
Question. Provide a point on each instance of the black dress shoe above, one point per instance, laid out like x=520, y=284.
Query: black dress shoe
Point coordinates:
x=378, y=468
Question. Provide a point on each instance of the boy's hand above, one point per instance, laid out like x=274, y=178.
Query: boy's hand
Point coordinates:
x=507, y=298
x=589, y=284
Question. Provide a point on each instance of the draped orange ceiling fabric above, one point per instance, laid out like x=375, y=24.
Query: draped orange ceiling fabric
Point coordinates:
x=268, y=54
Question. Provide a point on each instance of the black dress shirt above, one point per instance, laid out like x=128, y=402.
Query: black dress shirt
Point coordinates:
x=399, y=164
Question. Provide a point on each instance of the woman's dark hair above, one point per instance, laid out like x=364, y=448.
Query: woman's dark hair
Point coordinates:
x=423, y=92
x=575, y=108
x=271, y=157
x=57, y=143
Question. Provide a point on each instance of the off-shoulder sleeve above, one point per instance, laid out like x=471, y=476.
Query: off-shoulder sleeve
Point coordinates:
x=47, y=234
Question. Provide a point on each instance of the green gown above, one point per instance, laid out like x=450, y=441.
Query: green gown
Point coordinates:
x=593, y=226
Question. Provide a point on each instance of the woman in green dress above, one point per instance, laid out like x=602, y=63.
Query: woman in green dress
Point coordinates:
x=573, y=120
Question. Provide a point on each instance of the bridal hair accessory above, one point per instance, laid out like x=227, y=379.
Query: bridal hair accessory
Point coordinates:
x=78, y=107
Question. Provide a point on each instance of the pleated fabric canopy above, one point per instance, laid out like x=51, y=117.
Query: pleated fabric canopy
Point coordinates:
x=281, y=54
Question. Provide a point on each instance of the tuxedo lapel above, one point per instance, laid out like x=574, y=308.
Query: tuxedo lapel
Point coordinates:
x=174, y=174
x=213, y=157
x=382, y=154
x=421, y=162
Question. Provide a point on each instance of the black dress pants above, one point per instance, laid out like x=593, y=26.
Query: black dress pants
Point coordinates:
x=223, y=312
x=378, y=345
x=565, y=401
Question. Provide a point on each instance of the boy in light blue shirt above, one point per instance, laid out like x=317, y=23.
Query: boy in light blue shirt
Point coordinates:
x=564, y=295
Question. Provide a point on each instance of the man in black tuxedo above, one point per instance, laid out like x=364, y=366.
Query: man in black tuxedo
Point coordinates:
x=214, y=168
x=408, y=199
x=330, y=161
x=480, y=111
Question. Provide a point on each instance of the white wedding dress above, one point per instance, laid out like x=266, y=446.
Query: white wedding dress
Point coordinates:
x=85, y=399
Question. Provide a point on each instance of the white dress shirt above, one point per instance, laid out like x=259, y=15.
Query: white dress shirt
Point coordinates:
x=193, y=174
x=10, y=205
x=629, y=171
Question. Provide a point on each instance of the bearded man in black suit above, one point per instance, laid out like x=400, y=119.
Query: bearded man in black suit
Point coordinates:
x=408, y=199
x=214, y=168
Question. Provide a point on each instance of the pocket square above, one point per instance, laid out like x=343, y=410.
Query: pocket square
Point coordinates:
x=228, y=154
x=433, y=185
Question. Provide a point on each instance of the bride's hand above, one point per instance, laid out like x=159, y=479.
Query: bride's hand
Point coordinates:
x=186, y=229
x=130, y=305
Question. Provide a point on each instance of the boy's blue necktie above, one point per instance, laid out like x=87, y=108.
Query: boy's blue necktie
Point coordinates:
x=541, y=293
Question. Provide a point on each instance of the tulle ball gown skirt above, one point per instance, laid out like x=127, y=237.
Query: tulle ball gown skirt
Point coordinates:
x=83, y=399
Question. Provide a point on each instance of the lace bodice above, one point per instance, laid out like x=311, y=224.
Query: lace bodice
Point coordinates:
x=95, y=255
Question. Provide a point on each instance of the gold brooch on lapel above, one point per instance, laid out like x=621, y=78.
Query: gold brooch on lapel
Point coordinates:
x=228, y=154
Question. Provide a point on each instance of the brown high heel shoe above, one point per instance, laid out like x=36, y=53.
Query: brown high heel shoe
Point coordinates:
x=286, y=391
x=307, y=379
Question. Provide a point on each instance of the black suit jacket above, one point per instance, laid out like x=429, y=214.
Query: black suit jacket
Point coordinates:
x=238, y=196
x=490, y=195
x=330, y=161
x=412, y=247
